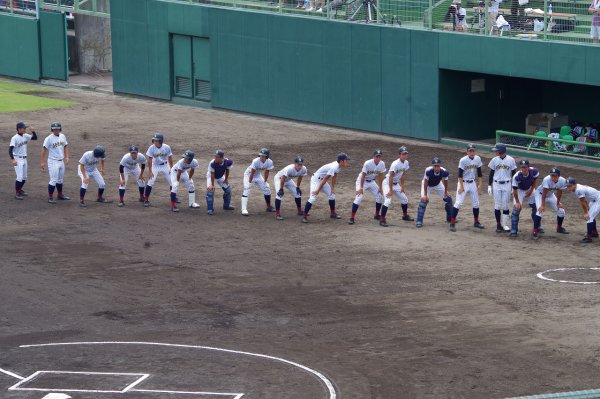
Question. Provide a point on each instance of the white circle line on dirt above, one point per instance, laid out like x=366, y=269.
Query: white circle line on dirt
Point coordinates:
x=320, y=376
x=564, y=269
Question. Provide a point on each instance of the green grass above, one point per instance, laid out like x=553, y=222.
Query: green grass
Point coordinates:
x=13, y=99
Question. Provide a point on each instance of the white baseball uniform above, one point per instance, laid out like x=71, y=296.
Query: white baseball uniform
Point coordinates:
x=330, y=169
x=592, y=196
x=132, y=167
x=184, y=167
x=551, y=199
x=371, y=183
x=90, y=163
x=160, y=162
x=469, y=166
x=55, y=145
x=19, y=144
x=290, y=173
x=502, y=168
x=258, y=178
x=399, y=168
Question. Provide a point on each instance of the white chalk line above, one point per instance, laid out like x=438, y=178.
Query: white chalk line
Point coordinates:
x=563, y=269
x=232, y=395
x=330, y=388
x=17, y=376
x=19, y=385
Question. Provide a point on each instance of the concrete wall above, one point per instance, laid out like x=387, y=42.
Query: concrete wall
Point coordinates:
x=94, y=48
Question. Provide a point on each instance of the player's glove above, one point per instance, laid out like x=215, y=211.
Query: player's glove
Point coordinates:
x=298, y=191
x=489, y=190
x=280, y=192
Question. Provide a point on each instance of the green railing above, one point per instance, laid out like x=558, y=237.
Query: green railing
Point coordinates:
x=99, y=8
x=550, y=145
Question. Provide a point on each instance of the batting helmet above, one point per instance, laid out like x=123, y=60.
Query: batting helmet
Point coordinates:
x=571, y=181
x=188, y=154
x=219, y=153
x=499, y=147
x=264, y=152
x=403, y=150
x=555, y=171
x=299, y=160
x=55, y=126
x=158, y=137
x=99, y=151
x=133, y=148
x=436, y=161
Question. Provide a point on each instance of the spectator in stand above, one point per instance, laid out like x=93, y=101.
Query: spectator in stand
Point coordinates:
x=595, y=11
x=493, y=6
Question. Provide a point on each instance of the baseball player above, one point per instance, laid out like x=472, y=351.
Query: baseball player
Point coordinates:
x=218, y=172
x=56, y=150
x=17, y=151
x=545, y=195
x=183, y=171
x=502, y=168
x=393, y=185
x=132, y=163
x=160, y=161
x=435, y=180
x=258, y=173
x=523, y=185
x=88, y=167
x=469, y=183
x=320, y=182
x=285, y=178
x=369, y=179
x=590, y=202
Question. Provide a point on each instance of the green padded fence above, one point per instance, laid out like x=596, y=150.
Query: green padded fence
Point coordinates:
x=587, y=394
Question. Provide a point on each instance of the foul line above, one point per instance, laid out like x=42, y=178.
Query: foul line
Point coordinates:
x=233, y=395
x=320, y=376
x=11, y=374
x=564, y=269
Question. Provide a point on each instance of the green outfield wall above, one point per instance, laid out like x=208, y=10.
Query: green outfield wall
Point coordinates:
x=19, y=47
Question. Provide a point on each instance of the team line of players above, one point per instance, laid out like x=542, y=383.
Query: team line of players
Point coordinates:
x=504, y=182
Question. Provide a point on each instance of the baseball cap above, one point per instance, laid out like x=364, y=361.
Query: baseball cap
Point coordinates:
x=299, y=160
x=403, y=150
x=555, y=171
x=377, y=153
x=219, y=153
x=523, y=162
x=343, y=157
x=134, y=148
x=471, y=147
x=500, y=147
x=571, y=181
x=436, y=161
x=21, y=125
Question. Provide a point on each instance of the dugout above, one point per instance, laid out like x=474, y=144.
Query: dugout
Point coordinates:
x=474, y=105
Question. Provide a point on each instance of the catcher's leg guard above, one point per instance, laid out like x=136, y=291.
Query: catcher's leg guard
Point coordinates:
x=226, y=196
x=210, y=199
x=533, y=211
x=421, y=211
x=448, y=208
x=514, y=220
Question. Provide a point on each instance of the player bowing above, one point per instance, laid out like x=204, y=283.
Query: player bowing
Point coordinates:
x=132, y=163
x=285, y=178
x=183, y=171
x=590, y=202
x=369, y=179
x=88, y=167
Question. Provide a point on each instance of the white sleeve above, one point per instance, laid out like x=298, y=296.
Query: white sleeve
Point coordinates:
x=12, y=142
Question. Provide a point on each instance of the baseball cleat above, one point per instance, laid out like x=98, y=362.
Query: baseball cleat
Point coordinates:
x=23, y=193
x=82, y=204
x=541, y=231
x=506, y=228
x=194, y=206
x=419, y=225
x=586, y=240
x=478, y=225
x=408, y=218
x=377, y=217
x=351, y=221
x=141, y=199
x=535, y=236
x=63, y=197
x=270, y=209
x=245, y=212
x=304, y=220
x=334, y=216
x=513, y=235
x=121, y=203
x=278, y=217
x=228, y=208
x=561, y=230
x=452, y=227
x=51, y=201
x=383, y=223
x=210, y=212
x=174, y=209
x=499, y=229
x=19, y=197
x=146, y=204
x=103, y=200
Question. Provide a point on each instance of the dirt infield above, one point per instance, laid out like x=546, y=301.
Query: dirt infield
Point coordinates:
x=380, y=313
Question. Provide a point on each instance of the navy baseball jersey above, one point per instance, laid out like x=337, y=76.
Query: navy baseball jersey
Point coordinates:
x=433, y=179
x=523, y=182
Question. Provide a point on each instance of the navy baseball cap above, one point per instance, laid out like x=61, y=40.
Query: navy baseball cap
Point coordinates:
x=523, y=163
x=403, y=150
x=571, y=181
x=21, y=125
x=377, y=153
x=299, y=160
x=134, y=148
x=55, y=126
x=500, y=147
x=343, y=157
x=219, y=153
x=436, y=161
x=471, y=147
x=555, y=171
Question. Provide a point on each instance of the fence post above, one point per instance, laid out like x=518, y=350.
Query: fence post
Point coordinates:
x=430, y=16
x=545, y=18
